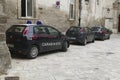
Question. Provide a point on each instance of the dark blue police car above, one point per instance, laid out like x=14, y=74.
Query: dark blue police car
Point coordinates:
x=80, y=34
x=31, y=39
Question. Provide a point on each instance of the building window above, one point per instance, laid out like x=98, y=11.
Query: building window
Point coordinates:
x=26, y=8
x=72, y=9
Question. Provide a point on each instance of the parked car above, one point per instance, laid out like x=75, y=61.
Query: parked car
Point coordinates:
x=31, y=39
x=80, y=34
x=101, y=33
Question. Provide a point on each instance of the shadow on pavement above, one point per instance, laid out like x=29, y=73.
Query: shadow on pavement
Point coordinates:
x=21, y=56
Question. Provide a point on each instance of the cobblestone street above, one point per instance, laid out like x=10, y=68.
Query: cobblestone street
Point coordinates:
x=95, y=61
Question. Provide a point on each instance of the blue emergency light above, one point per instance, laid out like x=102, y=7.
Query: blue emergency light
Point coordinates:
x=39, y=22
x=29, y=22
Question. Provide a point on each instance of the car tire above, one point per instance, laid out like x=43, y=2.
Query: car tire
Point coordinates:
x=85, y=42
x=33, y=53
x=65, y=46
x=11, y=52
x=103, y=38
x=93, y=40
x=108, y=37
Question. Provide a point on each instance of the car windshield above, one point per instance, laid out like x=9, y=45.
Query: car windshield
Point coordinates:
x=16, y=28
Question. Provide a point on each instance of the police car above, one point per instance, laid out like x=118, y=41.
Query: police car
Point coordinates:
x=31, y=39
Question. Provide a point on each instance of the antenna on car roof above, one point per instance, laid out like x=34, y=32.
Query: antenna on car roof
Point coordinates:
x=38, y=22
x=29, y=22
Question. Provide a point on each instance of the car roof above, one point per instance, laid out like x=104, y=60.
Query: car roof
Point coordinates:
x=77, y=27
x=97, y=27
x=32, y=25
x=26, y=24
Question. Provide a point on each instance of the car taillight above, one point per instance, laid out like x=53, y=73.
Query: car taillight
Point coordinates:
x=102, y=31
x=82, y=30
x=26, y=31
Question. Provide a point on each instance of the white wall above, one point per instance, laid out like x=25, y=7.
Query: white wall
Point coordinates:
x=64, y=4
x=94, y=11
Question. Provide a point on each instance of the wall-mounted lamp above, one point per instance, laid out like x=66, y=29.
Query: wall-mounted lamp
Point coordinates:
x=108, y=10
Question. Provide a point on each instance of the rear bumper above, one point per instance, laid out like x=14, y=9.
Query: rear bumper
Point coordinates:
x=79, y=39
x=99, y=36
x=19, y=50
x=22, y=49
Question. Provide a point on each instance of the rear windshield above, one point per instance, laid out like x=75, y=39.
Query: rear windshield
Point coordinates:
x=95, y=28
x=16, y=28
x=74, y=29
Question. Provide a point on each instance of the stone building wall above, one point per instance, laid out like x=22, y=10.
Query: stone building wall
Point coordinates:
x=57, y=17
x=48, y=15
x=5, y=58
x=10, y=14
x=100, y=12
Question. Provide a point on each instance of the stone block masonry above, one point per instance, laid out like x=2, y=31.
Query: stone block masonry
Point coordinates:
x=5, y=58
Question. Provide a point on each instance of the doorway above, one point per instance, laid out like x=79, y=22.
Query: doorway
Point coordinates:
x=119, y=24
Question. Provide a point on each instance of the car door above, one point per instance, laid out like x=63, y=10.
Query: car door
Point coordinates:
x=54, y=38
x=42, y=38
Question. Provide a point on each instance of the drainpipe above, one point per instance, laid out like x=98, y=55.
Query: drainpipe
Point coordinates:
x=80, y=8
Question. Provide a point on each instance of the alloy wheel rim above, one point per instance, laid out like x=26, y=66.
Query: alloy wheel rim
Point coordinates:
x=34, y=52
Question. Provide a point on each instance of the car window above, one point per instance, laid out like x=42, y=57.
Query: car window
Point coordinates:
x=39, y=30
x=52, y=32
x=15, y=28
x=75, y=29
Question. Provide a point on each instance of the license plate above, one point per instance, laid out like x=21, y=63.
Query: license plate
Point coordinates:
x=73, y=38
x=10, y=45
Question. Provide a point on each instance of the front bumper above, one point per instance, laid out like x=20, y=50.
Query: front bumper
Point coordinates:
x=99, y=36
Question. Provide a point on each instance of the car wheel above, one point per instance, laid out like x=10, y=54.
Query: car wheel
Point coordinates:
x=93, y=40
x=11, y=52
x=65, y=46
x=108, y=37
x=33, y=52
x=103, y=38
x=85, y=42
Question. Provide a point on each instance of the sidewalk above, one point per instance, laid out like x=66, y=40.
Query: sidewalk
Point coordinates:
x=95, y=61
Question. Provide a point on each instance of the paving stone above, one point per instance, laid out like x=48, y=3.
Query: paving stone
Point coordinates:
x=95, y=61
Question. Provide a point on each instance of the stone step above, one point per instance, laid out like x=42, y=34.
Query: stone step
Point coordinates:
x=2, y=37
